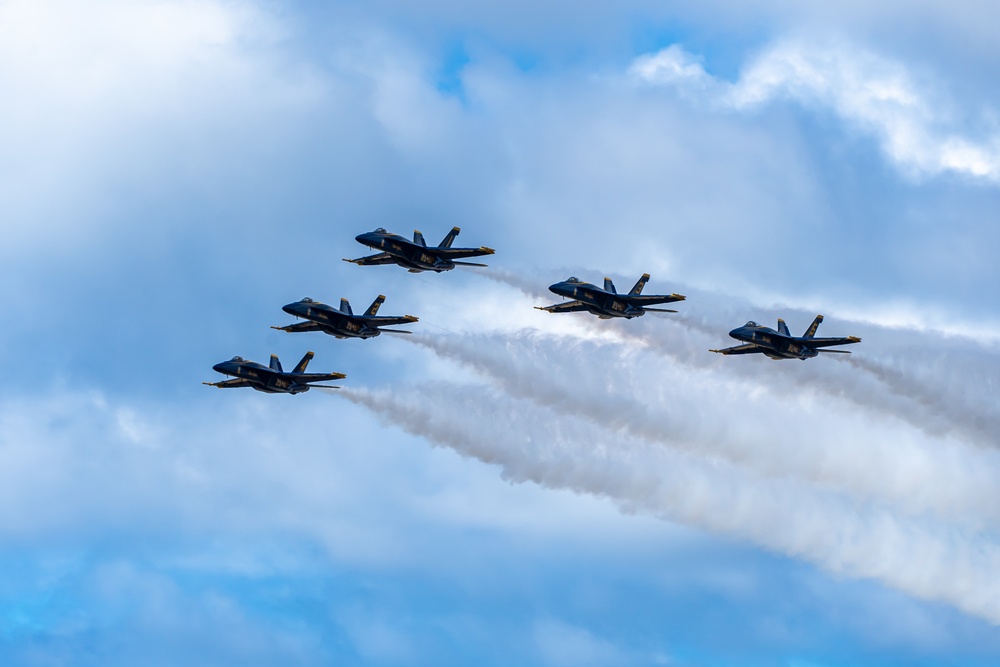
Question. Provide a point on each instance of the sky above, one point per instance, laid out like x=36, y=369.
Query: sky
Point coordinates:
x=505, y=486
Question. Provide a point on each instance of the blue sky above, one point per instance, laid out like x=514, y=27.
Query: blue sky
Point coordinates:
x=506, y=486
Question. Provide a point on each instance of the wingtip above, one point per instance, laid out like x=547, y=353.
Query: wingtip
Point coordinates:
x=488, y=251
x=679, y=297
x=854, y=339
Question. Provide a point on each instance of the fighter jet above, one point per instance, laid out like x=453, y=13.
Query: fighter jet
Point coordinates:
x=416, y=255
x=271, y=380
x=781, y=344
x=607, y=303
x=342, y=323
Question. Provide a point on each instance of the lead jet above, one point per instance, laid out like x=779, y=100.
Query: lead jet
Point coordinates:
x=781, y=344
x=607, y=303
x=416, y=255
x=271, y=380
x=342, y=323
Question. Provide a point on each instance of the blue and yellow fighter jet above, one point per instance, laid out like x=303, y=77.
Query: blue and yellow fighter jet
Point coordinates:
x=271, y=380
x=342, y=323
x=416, y=255
x=607, y=303
x=781, y=344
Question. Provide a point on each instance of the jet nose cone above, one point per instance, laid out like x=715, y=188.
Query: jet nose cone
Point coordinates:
x=219, y=368
x=368, y=238
x=735, y=333
x=293, y=308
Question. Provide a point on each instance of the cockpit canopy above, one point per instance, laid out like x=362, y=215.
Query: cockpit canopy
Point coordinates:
x=306, y=299
x=751, y=323
x=239, y=359
x=573, y=279
x=381, y=230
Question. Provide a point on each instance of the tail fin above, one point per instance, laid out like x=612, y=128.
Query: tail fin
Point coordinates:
x=783, y=328
x=609, y=286
x=418, y=238
x=301, y=366
x=275, y=364
x=449, y=237
x=372, y=309
x=811, y=331
x=637, y=289
x=345, y=307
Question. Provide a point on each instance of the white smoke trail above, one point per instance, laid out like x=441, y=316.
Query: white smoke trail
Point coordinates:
x=947, y=401
x=534, y=444
x=611, y=385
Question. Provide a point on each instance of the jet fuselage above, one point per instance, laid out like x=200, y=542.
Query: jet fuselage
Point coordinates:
x=599, y=302
x=774, y=344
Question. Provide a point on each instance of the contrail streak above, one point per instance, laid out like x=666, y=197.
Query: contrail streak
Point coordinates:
x=946, y=402
x=534, y=444
x=598, y=382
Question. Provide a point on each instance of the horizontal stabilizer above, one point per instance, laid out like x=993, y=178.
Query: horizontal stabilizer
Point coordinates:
x=637, y=288
x=301, y=366
x=457, y=263
x=399, y=331
x=660, y=310
x=372, y=309
x=449, y=238
x=836, y=351
x=275, y=364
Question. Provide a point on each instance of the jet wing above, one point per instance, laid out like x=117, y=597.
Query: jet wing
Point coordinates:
x=652, y=299
x=371, y=260
x=827, y=342
x=229, y=384
x=459, y=253
x=387, y=321
x=568, y=307
x=306, y=378
x=301, y=326
x=749, y=348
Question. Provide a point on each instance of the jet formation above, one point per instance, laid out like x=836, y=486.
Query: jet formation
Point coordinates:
x=416, y=256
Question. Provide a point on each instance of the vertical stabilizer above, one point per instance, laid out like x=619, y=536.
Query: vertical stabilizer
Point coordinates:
x=783, y=328
x=301, y=366
x=373, y=309
x=418, y=238
x=639, y=284
x=275, y=364
x=345, y=307
x=449, y=237
x=811, y=331
x=609, y=286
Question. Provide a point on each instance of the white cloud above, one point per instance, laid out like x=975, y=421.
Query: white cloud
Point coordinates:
x=873, y=94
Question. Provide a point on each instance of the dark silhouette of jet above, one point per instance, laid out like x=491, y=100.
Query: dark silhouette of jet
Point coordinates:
x=781, y=344
x=342, y=323
x=607, y=303
x=416, y=255
x=271, y=380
